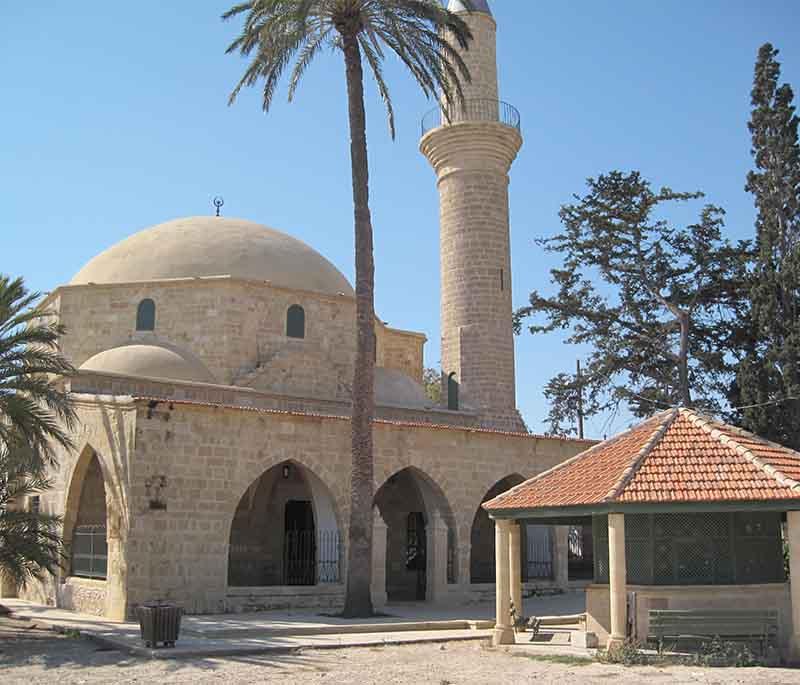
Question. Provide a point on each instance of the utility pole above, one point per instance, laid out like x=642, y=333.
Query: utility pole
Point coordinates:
x=580, y=401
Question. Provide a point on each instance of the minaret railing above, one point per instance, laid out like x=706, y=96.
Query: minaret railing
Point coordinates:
x=494, y=111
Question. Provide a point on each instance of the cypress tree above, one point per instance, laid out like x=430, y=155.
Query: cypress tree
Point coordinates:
x=769, y=375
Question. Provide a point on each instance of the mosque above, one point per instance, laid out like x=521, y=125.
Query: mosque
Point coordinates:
x=215, y=358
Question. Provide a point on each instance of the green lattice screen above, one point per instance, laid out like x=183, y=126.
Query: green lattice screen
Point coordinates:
x=739, y=548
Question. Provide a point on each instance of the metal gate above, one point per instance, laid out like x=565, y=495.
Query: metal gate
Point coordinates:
x=299, y=557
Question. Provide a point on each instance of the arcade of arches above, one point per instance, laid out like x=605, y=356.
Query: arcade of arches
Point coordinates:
x=285, y=533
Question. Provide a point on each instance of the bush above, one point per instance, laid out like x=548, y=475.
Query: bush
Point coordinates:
x=717, y=652
x=721, y=653
x=629, y=653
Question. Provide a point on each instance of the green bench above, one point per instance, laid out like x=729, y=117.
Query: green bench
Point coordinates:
x=753, y=625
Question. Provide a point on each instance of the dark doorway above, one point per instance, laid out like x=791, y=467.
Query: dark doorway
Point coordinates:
x=416, y=551
x=580, y=559
x=300, y=544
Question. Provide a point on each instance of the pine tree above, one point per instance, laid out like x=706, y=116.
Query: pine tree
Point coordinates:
x=653, y=301
x=770, y=373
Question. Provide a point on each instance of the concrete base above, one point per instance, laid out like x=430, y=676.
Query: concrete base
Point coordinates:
x=503, y=636
x=584, y=640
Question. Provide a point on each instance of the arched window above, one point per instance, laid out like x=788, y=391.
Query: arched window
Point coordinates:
x=146, y=315
x=452, y=392
x=296, y=322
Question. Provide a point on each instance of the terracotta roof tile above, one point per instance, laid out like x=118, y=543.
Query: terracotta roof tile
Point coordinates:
x=676, y=456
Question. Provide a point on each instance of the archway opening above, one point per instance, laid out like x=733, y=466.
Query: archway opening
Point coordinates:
x=88, y=538
x=580, y=552
x=536, y=543
x=420, y=537
x=285, y=531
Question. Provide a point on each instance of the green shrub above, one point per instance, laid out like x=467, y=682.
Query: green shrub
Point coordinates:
x=629, y=653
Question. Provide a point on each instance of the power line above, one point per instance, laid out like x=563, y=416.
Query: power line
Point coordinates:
x=764, y=404
x=744, y=406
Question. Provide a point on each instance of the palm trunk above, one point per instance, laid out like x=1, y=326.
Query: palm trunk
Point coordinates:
x=358, y=601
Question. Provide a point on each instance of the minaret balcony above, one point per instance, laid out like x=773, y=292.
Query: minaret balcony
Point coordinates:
x=473, y=110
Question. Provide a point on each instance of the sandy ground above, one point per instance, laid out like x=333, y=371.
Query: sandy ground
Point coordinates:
x=29, y=655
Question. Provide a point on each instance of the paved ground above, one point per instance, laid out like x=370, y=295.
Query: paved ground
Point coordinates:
x=273, y=631
x=31, y=656
x=214, y=636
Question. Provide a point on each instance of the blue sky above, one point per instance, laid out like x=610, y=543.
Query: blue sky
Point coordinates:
x=115, y=118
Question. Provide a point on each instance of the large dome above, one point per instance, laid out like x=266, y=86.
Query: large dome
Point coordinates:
x=215, y=246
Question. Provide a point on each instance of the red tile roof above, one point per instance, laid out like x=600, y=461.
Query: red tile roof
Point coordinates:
x=675, y=456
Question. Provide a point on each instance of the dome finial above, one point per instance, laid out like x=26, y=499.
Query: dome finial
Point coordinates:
x=219, y=202
x=470, y=6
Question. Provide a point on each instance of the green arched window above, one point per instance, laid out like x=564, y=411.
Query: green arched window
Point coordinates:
x=146, y=315
x=452, y=392
x=296, y=322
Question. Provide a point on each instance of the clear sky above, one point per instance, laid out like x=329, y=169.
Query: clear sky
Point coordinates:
x=114, y=118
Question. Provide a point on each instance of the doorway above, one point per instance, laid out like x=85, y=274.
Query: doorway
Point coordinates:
x=300, y=544
x=417, y=552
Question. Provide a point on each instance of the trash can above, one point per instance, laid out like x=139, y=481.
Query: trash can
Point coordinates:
x=159, y=623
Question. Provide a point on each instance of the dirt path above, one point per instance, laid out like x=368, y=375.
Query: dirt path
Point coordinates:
x=29, y=655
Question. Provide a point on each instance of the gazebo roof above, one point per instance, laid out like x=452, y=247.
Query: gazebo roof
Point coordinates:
x=677, y=457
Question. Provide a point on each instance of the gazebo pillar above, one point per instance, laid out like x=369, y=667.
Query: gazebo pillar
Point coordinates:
x=515, y=567
x=793, y=535
x=616, y=579
x=503, y=631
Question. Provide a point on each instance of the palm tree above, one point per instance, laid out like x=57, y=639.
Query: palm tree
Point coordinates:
x=35, y=419
x=34, y=409
x=419, y=32
x=30, y=543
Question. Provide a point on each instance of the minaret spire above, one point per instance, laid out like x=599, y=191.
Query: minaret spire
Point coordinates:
x=471, y=148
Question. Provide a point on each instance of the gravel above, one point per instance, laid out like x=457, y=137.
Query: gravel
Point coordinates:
x=29, y=655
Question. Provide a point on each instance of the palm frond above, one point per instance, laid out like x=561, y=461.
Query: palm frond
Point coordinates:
x=425, y=36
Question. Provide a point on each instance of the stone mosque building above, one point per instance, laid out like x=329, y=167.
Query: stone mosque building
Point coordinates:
x=215, y=358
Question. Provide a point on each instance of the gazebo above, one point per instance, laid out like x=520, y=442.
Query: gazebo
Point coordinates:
x=686, y=512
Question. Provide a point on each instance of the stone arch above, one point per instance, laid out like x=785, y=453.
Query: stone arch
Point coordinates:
x=89, y=466
x=420, y=550
x=285, y=530
x=481, y=558
x=87, y=486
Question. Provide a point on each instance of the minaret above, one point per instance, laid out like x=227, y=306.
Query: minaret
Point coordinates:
x=471, y=153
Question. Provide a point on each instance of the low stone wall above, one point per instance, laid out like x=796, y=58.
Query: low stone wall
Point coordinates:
x=248, y=599
x=85, y=595
x=646, y=597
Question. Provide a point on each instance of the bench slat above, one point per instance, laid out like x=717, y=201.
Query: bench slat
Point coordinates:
x=697, y=624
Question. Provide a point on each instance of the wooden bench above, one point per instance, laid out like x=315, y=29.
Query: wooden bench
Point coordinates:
x=755, y=625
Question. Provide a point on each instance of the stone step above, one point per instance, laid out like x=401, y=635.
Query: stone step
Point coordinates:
x=549, y=636
x=264, y=630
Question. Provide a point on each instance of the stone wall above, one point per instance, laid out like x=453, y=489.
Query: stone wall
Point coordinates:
x=91, y=382
x=400, y=350
x=646, y=597
x=236, y=328
x=105, y=437
x=210, y=456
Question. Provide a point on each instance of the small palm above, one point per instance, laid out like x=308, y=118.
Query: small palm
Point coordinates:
x=35, y=419
x=34, y=409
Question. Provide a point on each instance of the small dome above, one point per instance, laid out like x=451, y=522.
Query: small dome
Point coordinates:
x=215, y=246
x=152, y=361
x=477, y=6
x=396, y=389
